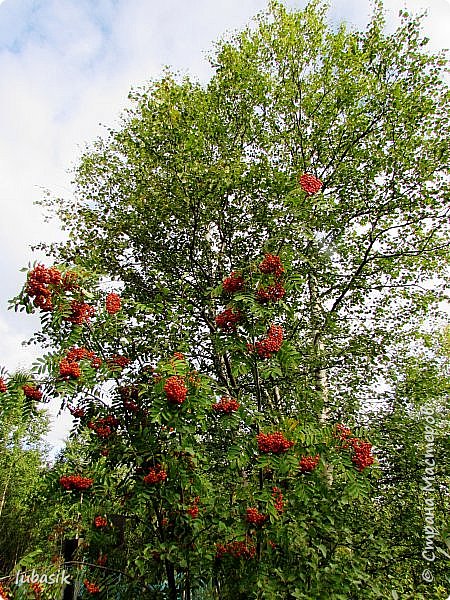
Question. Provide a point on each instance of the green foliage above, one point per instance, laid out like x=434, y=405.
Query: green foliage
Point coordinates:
x=22, y=464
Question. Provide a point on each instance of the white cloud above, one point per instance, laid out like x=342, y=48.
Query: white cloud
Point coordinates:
x=14, y=355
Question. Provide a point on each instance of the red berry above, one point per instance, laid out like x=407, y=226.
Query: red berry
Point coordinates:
x=236, y=550
x=119, y=361
x=272, y=343
x=175, y=389
x=272, y=293
x=3, y=387
x=272, y=265
x=37, y=286
x=69, y=370
x=32, y=392
x=37, y=589
x=254, y=517
x=226, y=405
x=275, y=443
x=75, y=482
x=278, y=499
x=193, y=511
x=155, y=475
x=362, y=456
x=130, y=406
x=342, y=432
x=100, y=522
x=79, y=413
x=310, y=184
x=105, y=426
x=92, y=588
x=233, y=283
x=113, y=303
x=68, y=366
x=307, y=464
x=228, y=320
x=80, y=312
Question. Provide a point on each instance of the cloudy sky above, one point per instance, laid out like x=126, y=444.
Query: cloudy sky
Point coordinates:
x=66, y=67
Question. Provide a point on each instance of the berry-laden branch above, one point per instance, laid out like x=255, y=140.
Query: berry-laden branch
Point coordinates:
x=161, y=446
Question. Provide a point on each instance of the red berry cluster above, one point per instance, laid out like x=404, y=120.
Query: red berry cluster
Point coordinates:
x=79, y=413
x=226, y=405
x=92, y=588
x=342, y=432
x=129, y=392
x=175, y=389
x=80, y=312
x=272, y=265
x=307, y=464
x=42, y=282
x=362, y=456
x=130, y=406
x=69, y=369
x=233, y=283
x=76, y=354
x=269, y=345
x=228, y=320
x=273, y=442
x=103, y=431
x=100, y=522
x=113, y=303
x=4, y=595
x=119, y=361
x=277, y=495
x=254, y=517
x=37, y=589
x=178, y=356
x=362, y=451
x=3, y=387
x=271, y=293
x=155, y=475
x=37, y=286
x=75, y=482
x=128, y=395
x=32, y=392
x=236, y=550
x=193, y=510
x=105, y=426
x=310, y=184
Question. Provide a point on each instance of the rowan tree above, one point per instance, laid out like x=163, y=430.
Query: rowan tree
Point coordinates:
x=275, y=237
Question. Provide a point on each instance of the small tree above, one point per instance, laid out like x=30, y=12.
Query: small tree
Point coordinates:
x=22, y=465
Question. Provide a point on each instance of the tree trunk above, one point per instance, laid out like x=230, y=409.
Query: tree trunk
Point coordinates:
x=320, y=373
x=170, y=571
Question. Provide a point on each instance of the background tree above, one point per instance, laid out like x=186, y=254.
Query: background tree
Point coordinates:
x=199, y=179
x=22, y=465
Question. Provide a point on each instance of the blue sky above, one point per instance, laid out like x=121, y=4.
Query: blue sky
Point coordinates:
x=66, y=66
